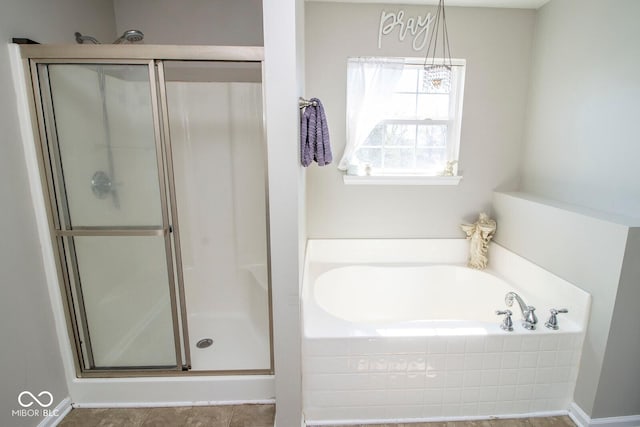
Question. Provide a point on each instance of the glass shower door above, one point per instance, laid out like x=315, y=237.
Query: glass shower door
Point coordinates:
x=106, y=183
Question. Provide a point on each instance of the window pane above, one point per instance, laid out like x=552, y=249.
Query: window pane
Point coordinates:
x=402, y=106
x=376, y=137
x=432, y=136
x=371, y=156
x=433, y=106
x=431, y=158
x=408, y=81
x=399, y=158
x=399, y=135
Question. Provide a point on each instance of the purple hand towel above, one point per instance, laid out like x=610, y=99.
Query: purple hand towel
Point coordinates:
x=314, y=135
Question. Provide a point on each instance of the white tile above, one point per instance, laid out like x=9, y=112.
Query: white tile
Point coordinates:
x=491, y=361
x=521, y=406
x=544, y=376
x=528, y=360
x=436, y=362
x=455, y=345
x=472, y=378
x=362, y=412
x=367, y=346
x=452, y=410
x=378, y=381
x=397, y=363
x=508, y=377
x=567, y=342
x=512, y=343
x=451, y=395
x=539, y=405
x=506, y=392
x=410, y=345
x=435, y=379
x=416, y=363
x=474, y=344
x=454, y=362
x=416, y=379
x=524, y=392
x=494, y=343
x=327, y=365
x=359, y=364
x=437, y=345
x=470, y=395
x=564, y=358
x=526, y=376
x=378, y=363
x=488, y=394
x=505, y=407
x=530, y=343
x=329, y=398
x=546, y=359
x=490, y=378
x=433, y=396
x=404, y=411
x=549, y=342
x=469, y=409
x=397, y=380
x=395, y=397
x=416, y=397
x=561, y=374
x=366, y=398
x=541, y=391
x=452, y=379
x=487, y=408
x=510, y=360
x=473, y=361
x=432, y=411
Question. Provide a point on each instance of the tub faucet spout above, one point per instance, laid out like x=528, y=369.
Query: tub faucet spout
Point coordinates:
x=529, y=318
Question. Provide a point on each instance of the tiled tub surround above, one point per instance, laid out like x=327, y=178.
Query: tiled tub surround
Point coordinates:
x=368, y=369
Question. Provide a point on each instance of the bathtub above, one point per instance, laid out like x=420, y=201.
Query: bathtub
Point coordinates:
x=402, y=330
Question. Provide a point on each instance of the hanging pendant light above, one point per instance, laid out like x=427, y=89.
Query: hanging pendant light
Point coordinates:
x=437, y=71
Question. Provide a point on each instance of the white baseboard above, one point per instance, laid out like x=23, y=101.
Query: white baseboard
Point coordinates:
x=173, y=404
x=583, y=420
x=61, y=410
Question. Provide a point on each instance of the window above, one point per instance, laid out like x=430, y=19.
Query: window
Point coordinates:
x=398, y=123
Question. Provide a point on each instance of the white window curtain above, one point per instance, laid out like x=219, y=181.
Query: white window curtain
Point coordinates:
x=370, y=85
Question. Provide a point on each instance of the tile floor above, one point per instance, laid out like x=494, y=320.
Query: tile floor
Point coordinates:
x=196, y=416
x=249, y=416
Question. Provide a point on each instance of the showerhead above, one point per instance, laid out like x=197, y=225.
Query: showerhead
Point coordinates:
x=130, y=36
x=82, y=39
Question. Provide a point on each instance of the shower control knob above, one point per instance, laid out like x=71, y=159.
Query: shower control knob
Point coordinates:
x=507, y=323
x=552, y=323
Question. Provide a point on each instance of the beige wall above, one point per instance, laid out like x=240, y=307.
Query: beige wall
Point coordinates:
x=496, y=44
x=206, y=22
x=30, y=357
x=619, y=388
x=580, y=139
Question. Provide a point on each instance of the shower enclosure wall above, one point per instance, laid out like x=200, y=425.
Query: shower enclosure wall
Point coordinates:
x=154, y=169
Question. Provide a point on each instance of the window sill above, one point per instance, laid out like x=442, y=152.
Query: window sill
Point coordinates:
x=401, y=180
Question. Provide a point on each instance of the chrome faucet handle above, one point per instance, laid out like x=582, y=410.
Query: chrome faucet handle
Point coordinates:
x=552, y=323
x=507, y=323
x=530, y=315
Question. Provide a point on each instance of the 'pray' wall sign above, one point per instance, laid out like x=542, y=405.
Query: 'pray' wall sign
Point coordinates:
x=416, y=26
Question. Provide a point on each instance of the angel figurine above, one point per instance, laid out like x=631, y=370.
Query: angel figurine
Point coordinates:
x=480, y=234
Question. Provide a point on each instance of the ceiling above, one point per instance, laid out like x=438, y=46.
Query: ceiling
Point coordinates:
x=517, y=4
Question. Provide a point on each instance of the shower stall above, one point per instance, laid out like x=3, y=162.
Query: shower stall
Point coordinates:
x=153, y=168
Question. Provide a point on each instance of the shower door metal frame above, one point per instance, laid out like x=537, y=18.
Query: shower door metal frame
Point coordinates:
x=153, y=57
